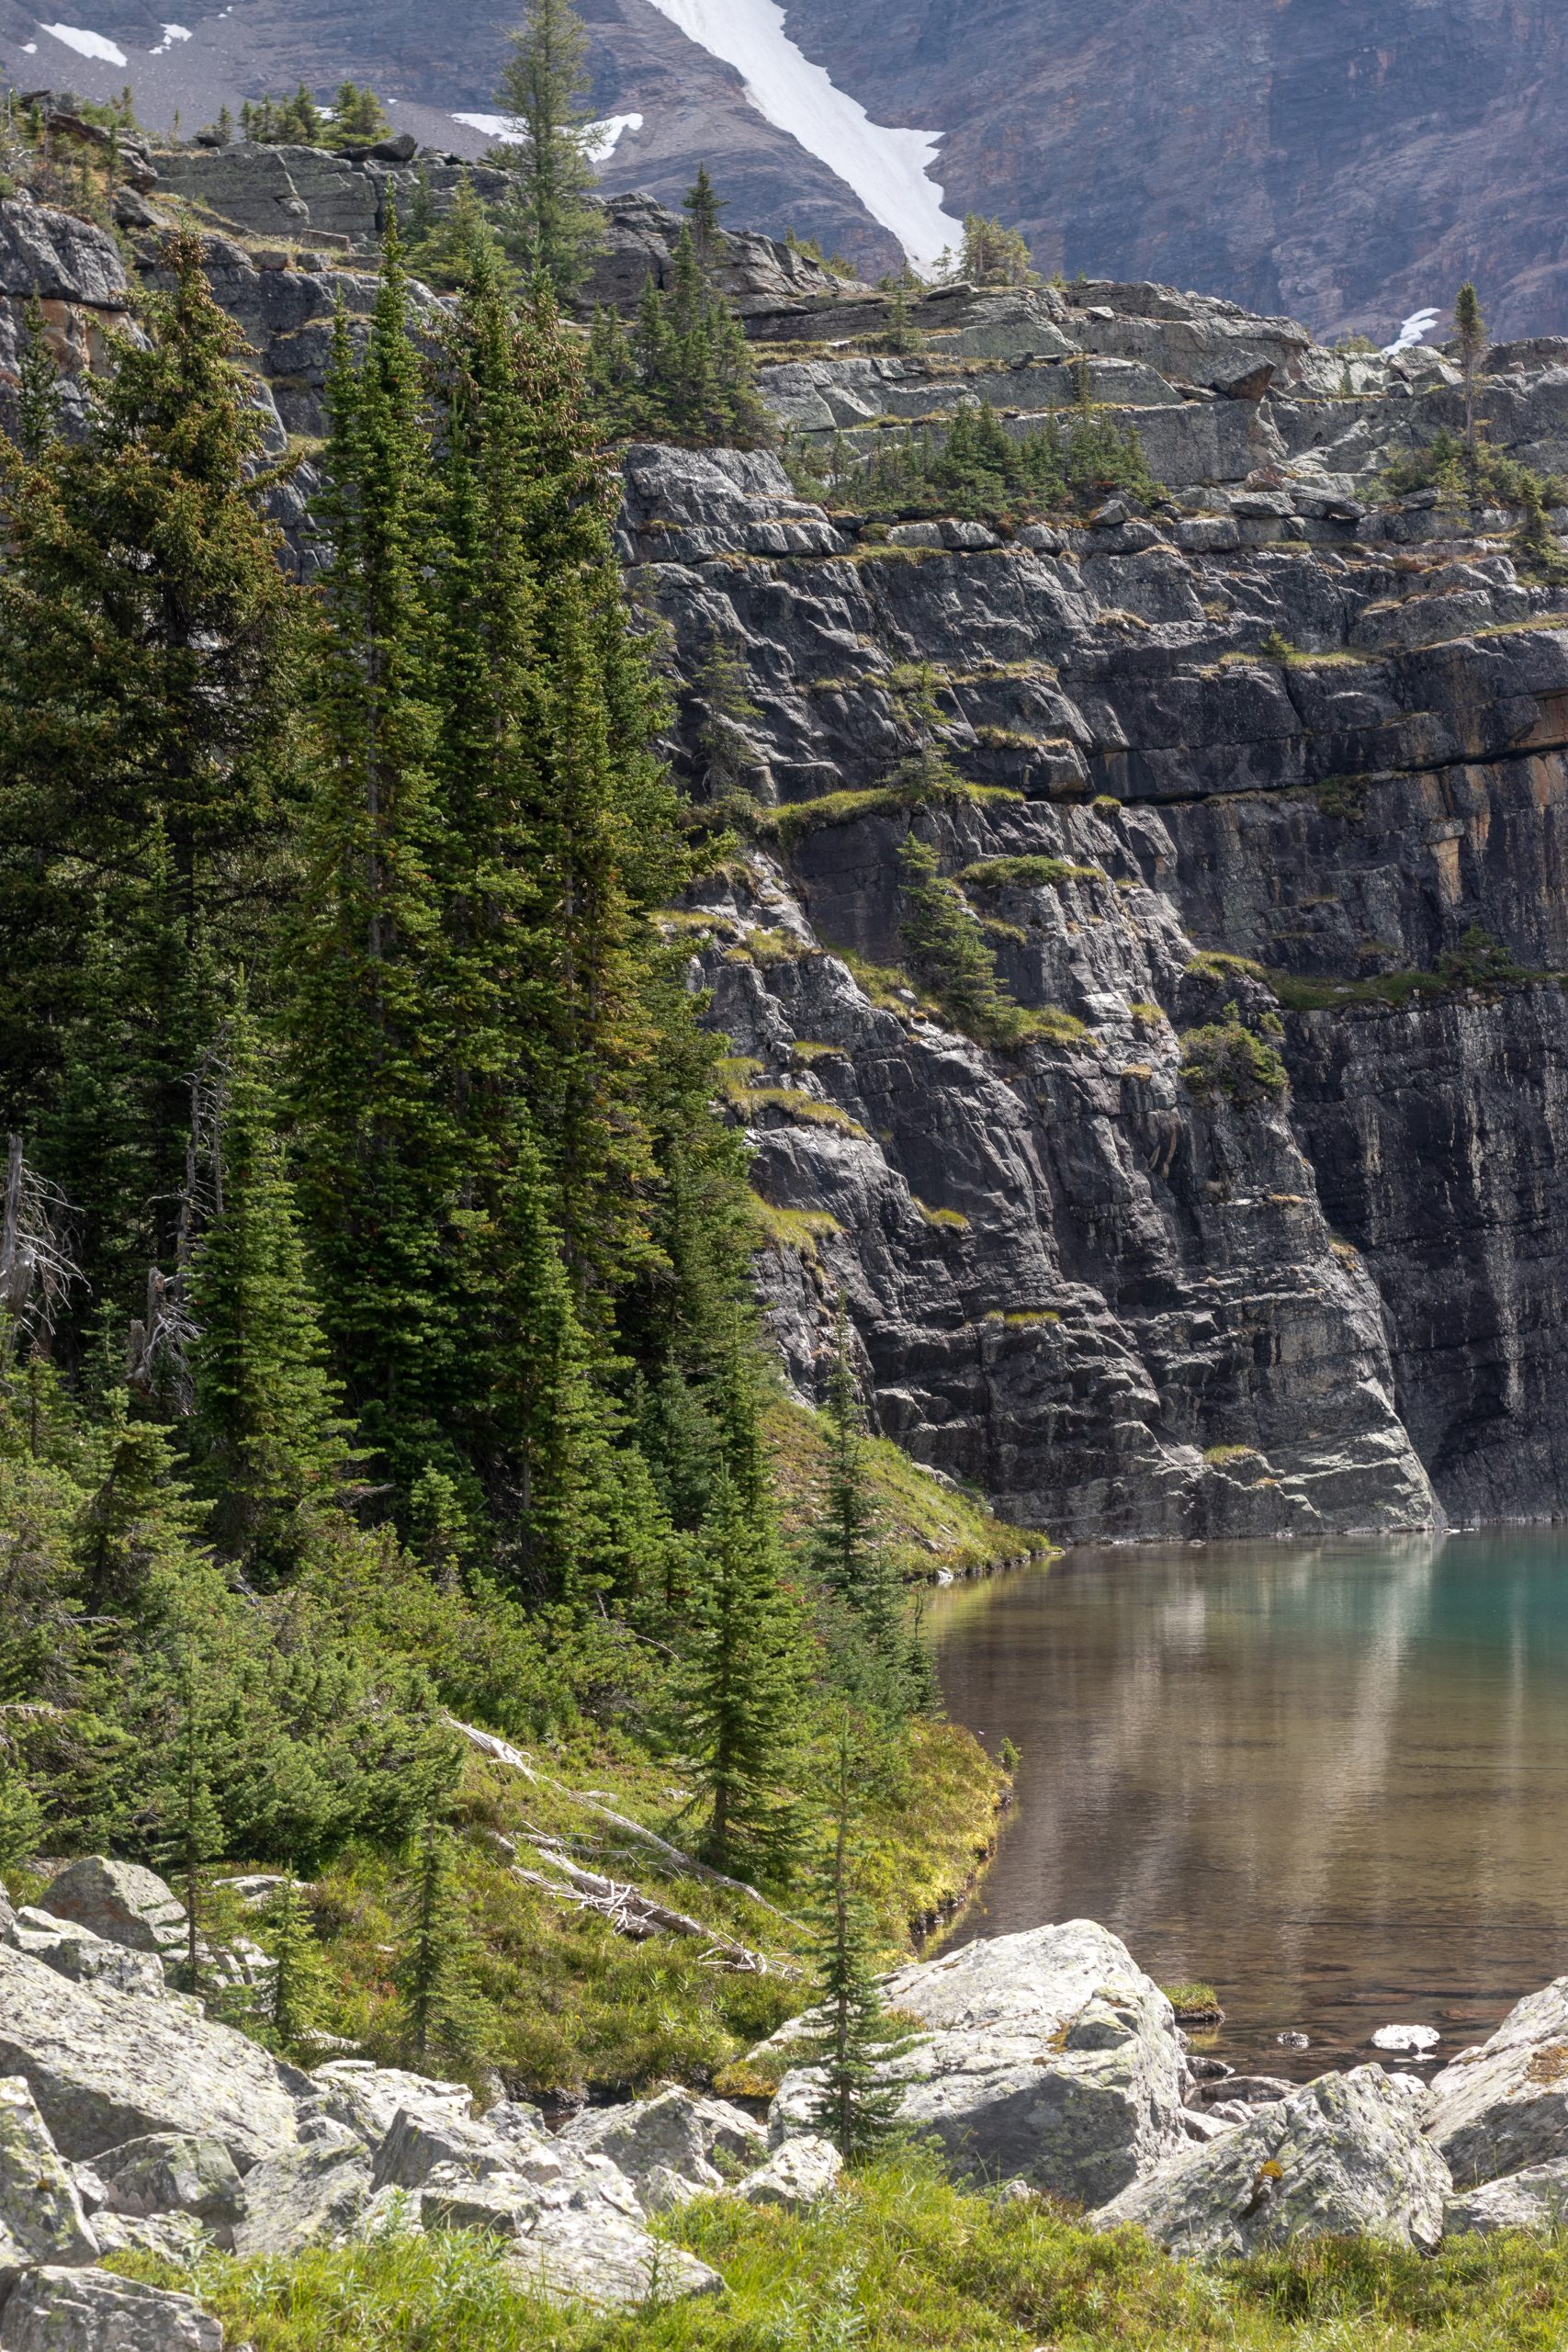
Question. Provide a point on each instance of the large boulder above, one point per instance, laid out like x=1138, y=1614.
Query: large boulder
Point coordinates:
x=368, y=2099
x=1536, y=2199
x=119, y=1901
x=796, y=2175
x=1504, y=2107
x=105, y=2067
x=172, y=2172
x=75, y=1951
x=53, y=2310
x=309, y=2195
x=1343, y=2157
x=575, y=2258
x=675, y=2131
x=44, y=251
x=40, y=2208
x=1048, y=2057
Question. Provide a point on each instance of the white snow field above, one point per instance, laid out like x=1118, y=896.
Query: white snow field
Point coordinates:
x=602, y=137
x=1417, y=328
x=108, y=52
x=172, y=33
x=888, y=169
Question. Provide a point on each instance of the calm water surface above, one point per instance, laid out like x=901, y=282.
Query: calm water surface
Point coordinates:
x=1331, y=1782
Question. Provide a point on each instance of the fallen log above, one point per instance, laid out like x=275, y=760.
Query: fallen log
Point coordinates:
x=634, y=1913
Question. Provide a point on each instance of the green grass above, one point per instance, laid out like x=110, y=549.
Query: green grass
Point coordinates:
x=792, y=823
x=1210, y=963
x=1025, y=873
x=900, y=2261
x=928, y=1525
x=796, y=1105
x=797, y=1230
x=1217, y=1456
x=1194, y=2000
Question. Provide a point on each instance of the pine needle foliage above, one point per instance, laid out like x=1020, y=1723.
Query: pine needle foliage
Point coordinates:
x=447, y=2021
x=551, y=226
x=147, y=635
x=858, y=2100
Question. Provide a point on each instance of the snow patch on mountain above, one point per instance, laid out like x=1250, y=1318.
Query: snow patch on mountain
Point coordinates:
x=172, y=33
x=888, y=170
x=1417, y=328
x=600, y=139
x=107, y=52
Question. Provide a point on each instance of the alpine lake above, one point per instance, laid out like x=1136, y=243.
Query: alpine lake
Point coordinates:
x=1332, y=1781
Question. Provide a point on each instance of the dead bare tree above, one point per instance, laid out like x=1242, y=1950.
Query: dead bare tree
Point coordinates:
x=37, y=1270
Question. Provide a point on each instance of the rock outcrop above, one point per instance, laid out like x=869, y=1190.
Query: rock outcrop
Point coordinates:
x=1503, y=2107
x=1047, y=2057
x=1343, y=2157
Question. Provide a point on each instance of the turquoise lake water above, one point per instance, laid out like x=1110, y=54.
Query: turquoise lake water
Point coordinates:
x=1332, y=1781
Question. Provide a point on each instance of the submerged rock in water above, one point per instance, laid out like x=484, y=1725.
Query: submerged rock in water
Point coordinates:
x=1343, y=2157
x=1416, y=2040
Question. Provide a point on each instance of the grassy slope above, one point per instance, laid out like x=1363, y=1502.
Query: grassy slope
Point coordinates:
x=580, y=2007
x=900, y=2260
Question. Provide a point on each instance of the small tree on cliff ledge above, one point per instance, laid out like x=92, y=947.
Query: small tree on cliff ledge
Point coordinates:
x=1470, y=336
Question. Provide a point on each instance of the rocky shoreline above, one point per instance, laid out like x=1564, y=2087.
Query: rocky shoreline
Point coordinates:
x=1042, y=2063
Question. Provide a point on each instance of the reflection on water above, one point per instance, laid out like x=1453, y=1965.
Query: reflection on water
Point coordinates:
x=1332, y=1781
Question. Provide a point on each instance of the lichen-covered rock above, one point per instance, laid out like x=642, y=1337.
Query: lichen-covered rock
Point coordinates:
x=73, y=1950
x=416, y=2144
x=671, y=2131
x=1047, y=2056
x=1344, y=2156
x=41, y=2214
x=1503, y=2107
x=605, y=2260
x=368, y=2099
x=309, y=2195
x=107, y=2067
x=796, y=2175
x=121, y=1902
x=172, y=2172
x=1535, y=2198
x=52, y=2310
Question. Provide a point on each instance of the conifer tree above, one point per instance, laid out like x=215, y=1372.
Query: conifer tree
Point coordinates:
x=446, y=2021
x=858, y=2102
x=742, y=1690
x=543, y=89
x=146, y=646
x=948, y=951
x=37, y=386
x=1469, y=335
x=381, y=1171
x=723, y=696
x=138, y=1519
x=299, y=1983
x=704, y=205
x=881, y=1658
x=182, y=1800
x=21, y=1815
x=266, y=1435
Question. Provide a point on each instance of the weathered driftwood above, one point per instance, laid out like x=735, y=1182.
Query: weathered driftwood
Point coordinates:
x=502, y=1752
x=634, y=1913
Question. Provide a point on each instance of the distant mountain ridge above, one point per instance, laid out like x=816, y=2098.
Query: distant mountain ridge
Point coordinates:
x=1347, y=165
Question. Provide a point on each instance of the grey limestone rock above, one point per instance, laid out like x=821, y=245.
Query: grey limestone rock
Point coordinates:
x=674, y=2130
x=309, y=2195
x=171, y=2172
x=1535, y=2198
x=59, y=257
x=42, y=2215
x=603, y=2260
x=1343, y=2157
x=54, y=2310
x=368, y=2099
x=176, y=2237
x=75, y=1951
x=1047, y=2056
x=121, y=1902
x=1503, y=2107
x=796, y=2175
x=105, y=2067
x=417, y=2143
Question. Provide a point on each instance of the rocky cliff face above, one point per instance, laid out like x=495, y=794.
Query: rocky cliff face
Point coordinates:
x=1119, y=1277
x=1288, y=758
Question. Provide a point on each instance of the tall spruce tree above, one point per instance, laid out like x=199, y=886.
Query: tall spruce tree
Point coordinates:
x=37, y=386
x=880, y=1656
x=857, y=2103
x=703, y=204
x=147, y=690
x=543, y=88
x=742, y=1690
x=371, y=1026
x=266, y=1435
x=1470, y=337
